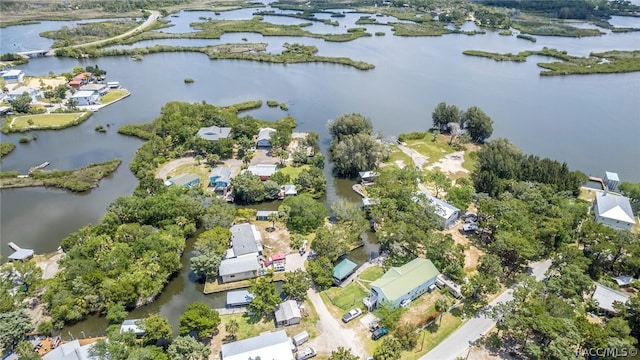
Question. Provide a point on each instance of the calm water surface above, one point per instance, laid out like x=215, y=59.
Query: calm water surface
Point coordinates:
x=591, y=122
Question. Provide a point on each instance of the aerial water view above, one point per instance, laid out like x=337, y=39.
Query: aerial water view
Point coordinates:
x=336, y=179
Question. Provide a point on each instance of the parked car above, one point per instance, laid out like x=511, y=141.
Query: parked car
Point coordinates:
x=351, y=315
x=471, y=217
x=306, y=353
x=405, y=303
x=377, y=334
x=470, y=227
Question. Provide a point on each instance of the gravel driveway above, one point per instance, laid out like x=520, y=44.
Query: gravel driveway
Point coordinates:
x=332, y=333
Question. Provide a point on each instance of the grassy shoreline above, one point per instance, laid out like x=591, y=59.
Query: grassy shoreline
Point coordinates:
x=53, y=121
x=77, y=180
x=609, y=62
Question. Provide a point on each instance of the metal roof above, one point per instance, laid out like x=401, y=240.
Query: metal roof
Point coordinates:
x=272, y=346
x=82, y=94
x=238, y=265
x=131, y=325
x=344, y=269
x=615, y=207
x=213, y=133
x=265, y=133
x=239, y=297
x=399, y=281
x=184, y=179
x=221, y=174
x=606, y=296
x=263, y=169
x=287, y=310
x=69, y=351
x=611, y=176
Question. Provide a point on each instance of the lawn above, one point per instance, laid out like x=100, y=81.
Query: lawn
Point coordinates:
x=433, y=150
x=113, y=95
x=292, y=171
x=44, y=121
x=396, y=156
x=346, y=298
x=432, y=336
x=371, y=274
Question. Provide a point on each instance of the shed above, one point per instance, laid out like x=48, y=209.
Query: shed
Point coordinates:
x=606, y=296
x=238, y=298
x=132, y=325
x=301, y=338
x=624, y=280
x=367, y=176
x=288, y=313
x=342, y=271
x=264, y=215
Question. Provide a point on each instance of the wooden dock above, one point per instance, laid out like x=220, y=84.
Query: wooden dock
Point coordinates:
x=39, y=167
x=232, y=310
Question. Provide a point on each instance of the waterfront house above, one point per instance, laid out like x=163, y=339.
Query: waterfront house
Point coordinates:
x=289, y=190
x=367, y=176
x=288, y=313
x=85, y=98
x=239, y=268
x=245, y=239
x=71, y=350
x=272, y=346
x=186, y=180
x=34, y=93
x=408, y=281
x=220, y=178
x=264, y=137
x=342, y=271
x=447, y=214
x=98, y=89
x=263, y=171
x=613, y=210
x=13, y=76
x=214, y=133
x=606, y=297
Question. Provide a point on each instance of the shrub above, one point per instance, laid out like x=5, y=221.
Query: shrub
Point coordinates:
x=188, y=80
x=24, y=140
x=416, y=135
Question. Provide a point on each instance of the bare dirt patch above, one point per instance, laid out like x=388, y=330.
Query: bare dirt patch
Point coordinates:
x=471, y=254
x=277, y=241
x=40, y=82
x=450, y=163
x=49, y=263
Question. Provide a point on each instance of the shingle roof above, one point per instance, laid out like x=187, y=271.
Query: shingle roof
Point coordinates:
x=272, y=346
x=398, y=281
x=214, y=133
x=287, y=310
x=343, y=269
x=238, y=265
x=615, y=207
x=606, y=296
x=245, y=239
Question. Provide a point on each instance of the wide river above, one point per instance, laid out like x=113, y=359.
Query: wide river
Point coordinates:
x=592, y=122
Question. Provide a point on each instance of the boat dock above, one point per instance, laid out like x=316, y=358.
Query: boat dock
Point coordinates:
x=39, y=167
x=20, y=254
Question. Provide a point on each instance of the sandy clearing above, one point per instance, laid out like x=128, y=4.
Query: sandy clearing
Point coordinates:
x=35, y=82
x=472, y=254
x=49, y=263
x=450, y=164
x=171, y=165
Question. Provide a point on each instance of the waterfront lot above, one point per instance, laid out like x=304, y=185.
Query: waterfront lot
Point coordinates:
x=44, y=121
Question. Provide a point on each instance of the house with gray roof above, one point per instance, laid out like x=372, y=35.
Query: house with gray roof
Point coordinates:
x=70, y=351
x=245, y=239
x=263, y=171
x=288, y=313
x=264, y=137
x=606, y=297
x=613, y=210
x=239, y=298
x=272, y=346
x=447, y=214
x=239, y=268
x=132, y=326
x=186, y=180
x=220, y=178
x=214, y=133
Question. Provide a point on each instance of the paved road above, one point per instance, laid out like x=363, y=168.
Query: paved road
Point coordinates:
x=457, y=344
x=332, y=333
x=150, y=20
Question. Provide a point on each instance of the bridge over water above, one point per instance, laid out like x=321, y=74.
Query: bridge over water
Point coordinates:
x=37, y=53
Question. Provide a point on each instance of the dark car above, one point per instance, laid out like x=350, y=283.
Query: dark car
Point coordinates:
x=378, y=333
x=351, y=315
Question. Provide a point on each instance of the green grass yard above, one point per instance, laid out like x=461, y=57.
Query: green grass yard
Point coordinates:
x=44, y=121
x=293, y=171
x=346, y=298
x=113, y=95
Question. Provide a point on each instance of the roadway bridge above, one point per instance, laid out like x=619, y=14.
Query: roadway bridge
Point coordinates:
x=37, y=53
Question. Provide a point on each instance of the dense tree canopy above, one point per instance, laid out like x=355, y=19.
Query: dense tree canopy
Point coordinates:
x=303, y=213
x=479, y=125
x=348, y=125
x=22, y=104
x=296, y=283
x=265, y=296
x=200, y=320
x=444, y=114
x=188, y=348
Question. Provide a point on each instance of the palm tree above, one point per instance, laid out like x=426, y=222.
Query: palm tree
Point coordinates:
x=232, y=327
x=442, y=305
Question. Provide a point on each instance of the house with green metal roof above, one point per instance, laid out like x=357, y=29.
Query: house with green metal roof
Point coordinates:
x=408, y=281
x=342, y=271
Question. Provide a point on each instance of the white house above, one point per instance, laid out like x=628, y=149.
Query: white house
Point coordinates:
x=447, y=213
x=272, y=346
x=263, y=171
x=35, y=94
x=606, y=297
x=613, y=211
x=239, y=268
x=99, y=89
x=214, y=133
x=264, y=137
x=13, y=76
x=288, y=313
x=85, y=98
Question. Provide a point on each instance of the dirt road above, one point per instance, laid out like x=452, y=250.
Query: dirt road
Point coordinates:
x=166, y=168
x=332, y=333
x=150, y=20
